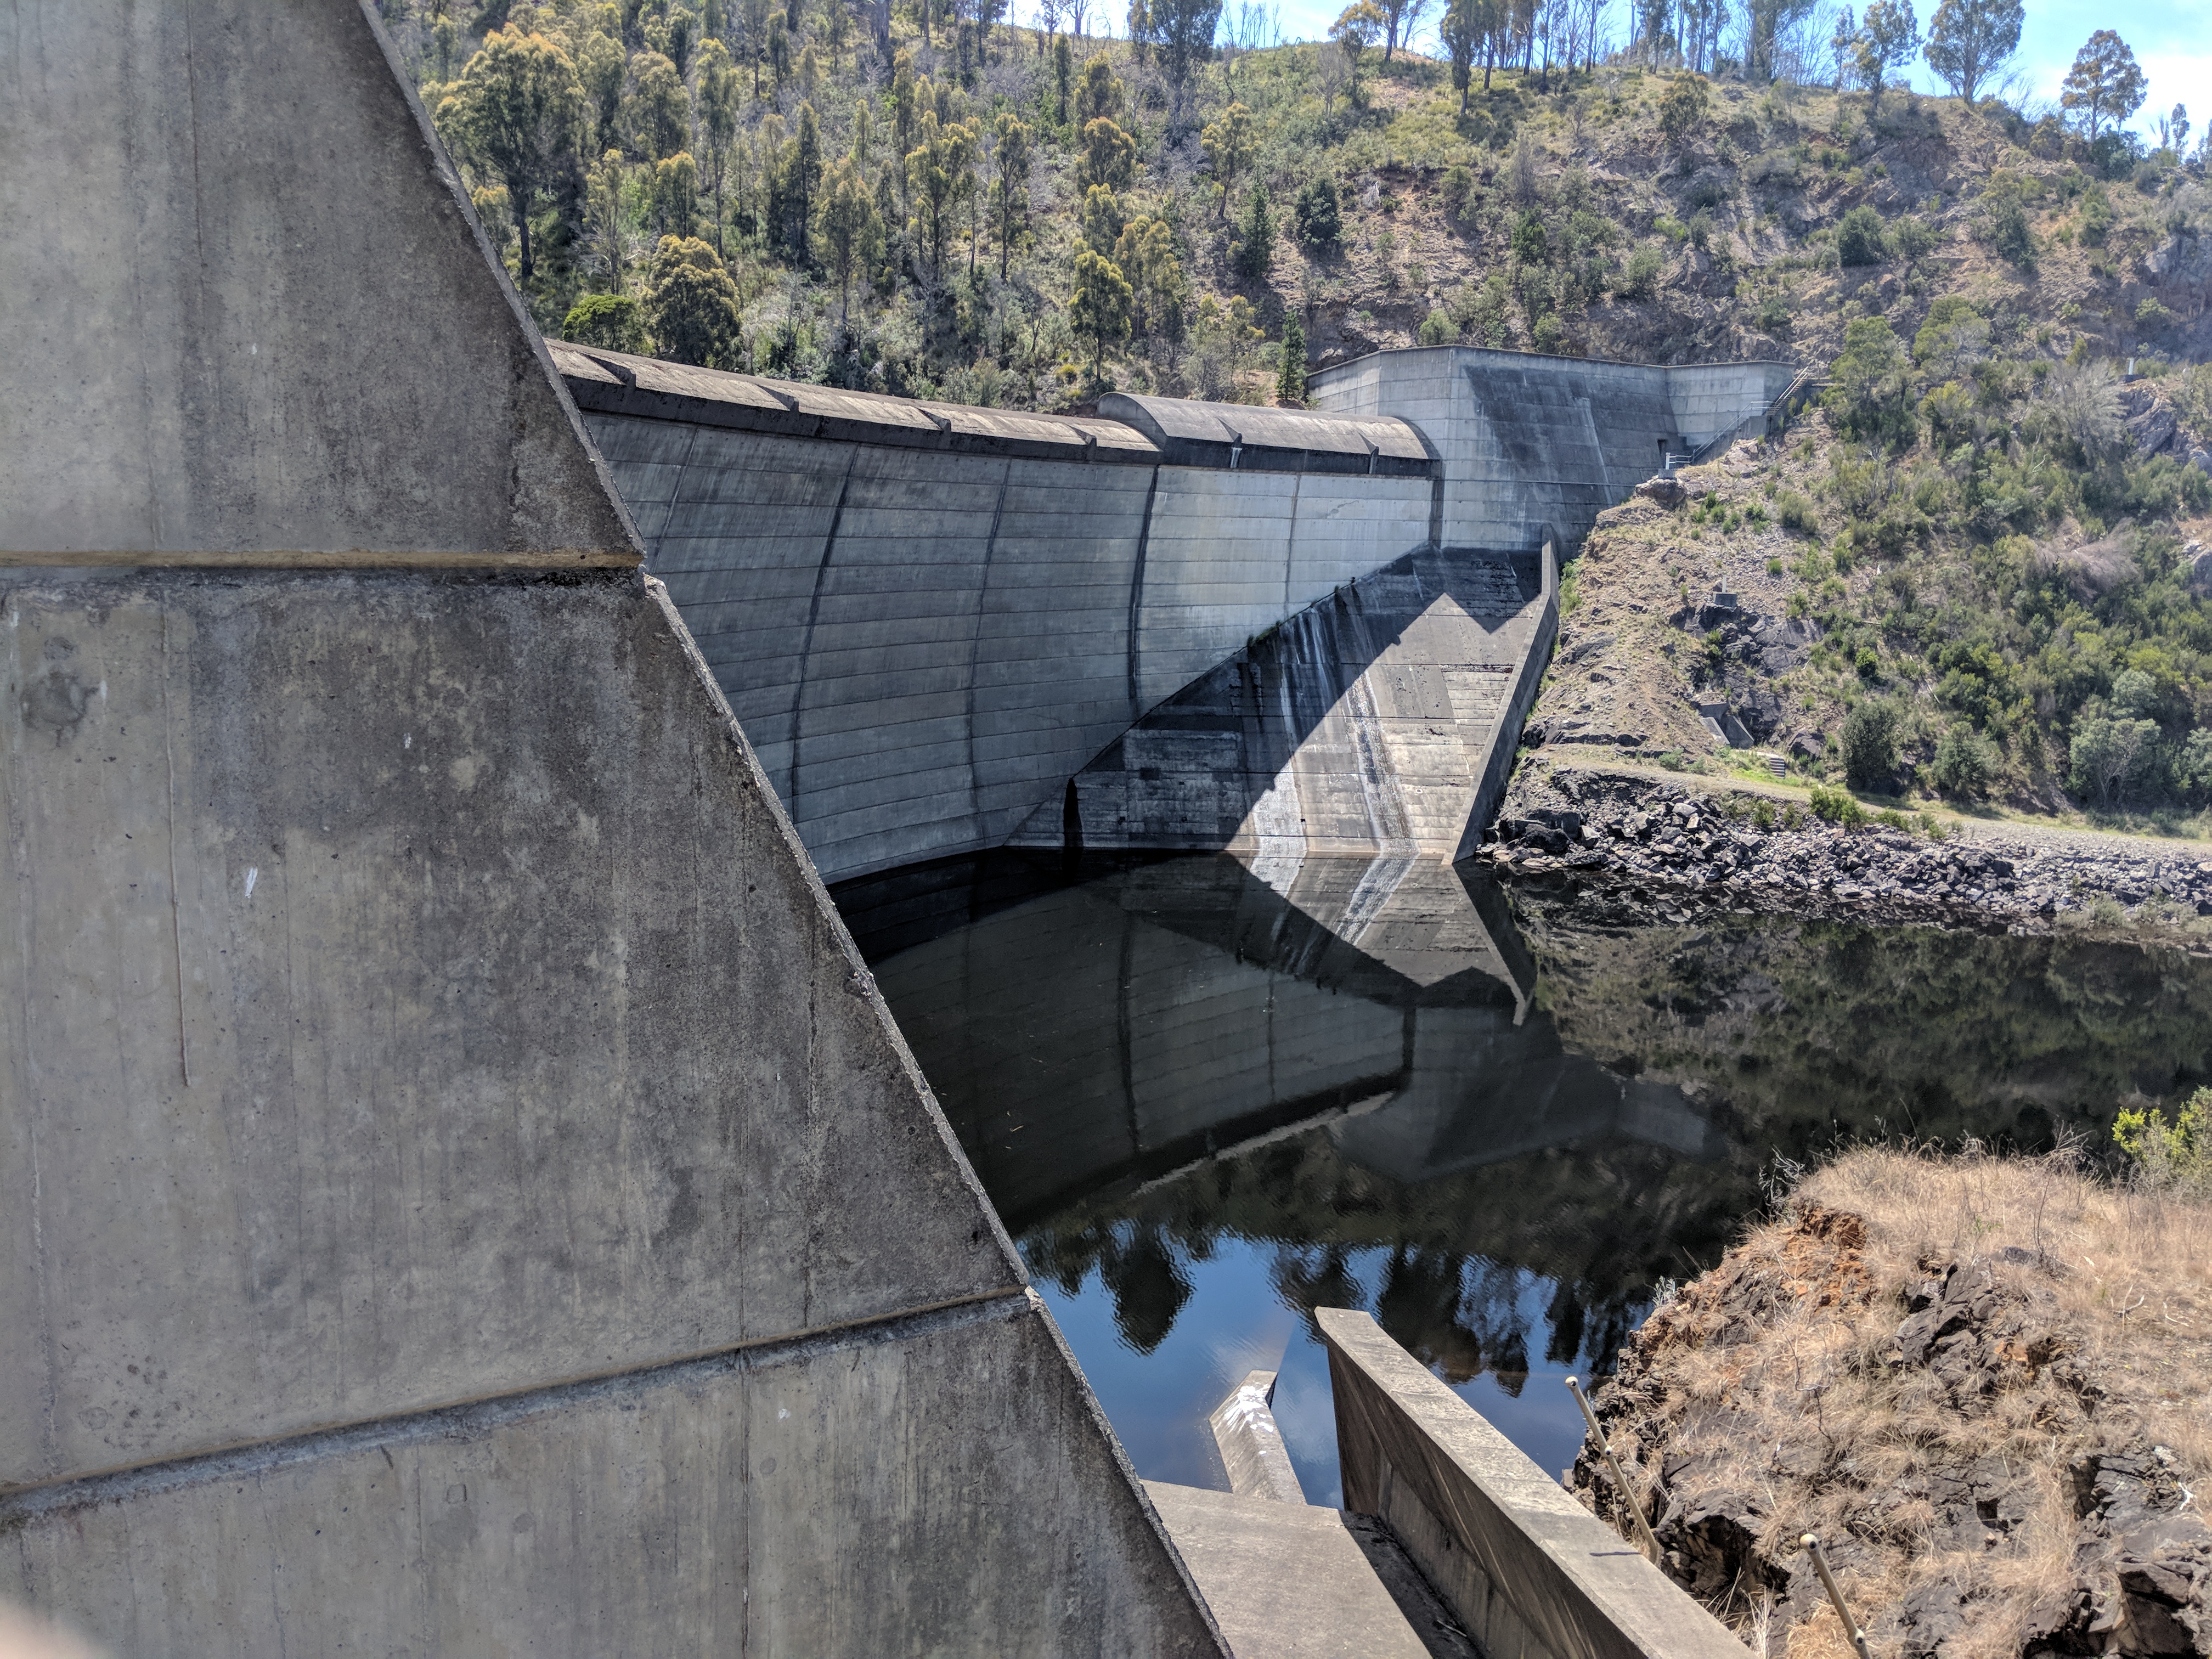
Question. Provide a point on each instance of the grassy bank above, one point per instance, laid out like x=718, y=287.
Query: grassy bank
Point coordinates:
x=1983, y=1381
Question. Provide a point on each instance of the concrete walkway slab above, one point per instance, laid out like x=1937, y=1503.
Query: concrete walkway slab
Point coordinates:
x=1290, y=1581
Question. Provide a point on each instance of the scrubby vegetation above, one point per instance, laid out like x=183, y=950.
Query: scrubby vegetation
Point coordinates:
x=926, y=199
x=1981, y=1380
x=1997, y=566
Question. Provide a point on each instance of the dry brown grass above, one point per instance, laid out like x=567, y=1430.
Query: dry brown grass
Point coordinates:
x=1778, y=1379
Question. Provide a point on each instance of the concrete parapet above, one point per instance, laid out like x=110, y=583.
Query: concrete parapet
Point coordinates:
x=1248, y=437
x=1528, y=1571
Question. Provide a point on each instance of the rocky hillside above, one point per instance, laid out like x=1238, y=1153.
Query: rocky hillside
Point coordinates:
x=1977, y=576
x=863, y=212
x=1983, y=1383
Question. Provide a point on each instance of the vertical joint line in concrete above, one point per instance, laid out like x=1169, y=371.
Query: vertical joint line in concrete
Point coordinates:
x=975, y=642
x=813, y=612
x=176, y=910
x=1290, y=546
x=1137, y=596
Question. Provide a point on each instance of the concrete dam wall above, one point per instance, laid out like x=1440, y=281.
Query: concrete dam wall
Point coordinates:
x=460, y=1190
x=1528, y=441
x=931, y=618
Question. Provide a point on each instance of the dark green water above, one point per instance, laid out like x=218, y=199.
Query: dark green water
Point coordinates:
x=1207, y=1099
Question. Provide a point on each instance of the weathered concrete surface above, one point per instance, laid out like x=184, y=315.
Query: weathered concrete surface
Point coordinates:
x=463, y=1021
x=1528, y=1571
x=930, y=617
x=836, y=1497
x=1528, y=441
x=234, y=355
x=1380, y=721
x=1291, y=1581
x=460, y=1190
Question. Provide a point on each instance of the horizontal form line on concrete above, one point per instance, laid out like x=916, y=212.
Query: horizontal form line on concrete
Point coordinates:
x=565, y=558
x=467, y=1419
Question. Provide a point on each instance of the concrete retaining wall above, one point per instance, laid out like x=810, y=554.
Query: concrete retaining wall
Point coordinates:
x=460, y=1190
x=1529, y=440
x=929, y=632
x=1528, y=1571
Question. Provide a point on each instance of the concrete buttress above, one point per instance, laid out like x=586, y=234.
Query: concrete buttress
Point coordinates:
x=460, y=1190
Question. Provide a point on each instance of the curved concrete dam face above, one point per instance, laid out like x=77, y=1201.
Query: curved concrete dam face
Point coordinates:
x=930, y=619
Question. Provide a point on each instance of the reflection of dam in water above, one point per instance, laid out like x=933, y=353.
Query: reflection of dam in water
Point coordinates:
x=1210, y=1095
x=1108, y=1036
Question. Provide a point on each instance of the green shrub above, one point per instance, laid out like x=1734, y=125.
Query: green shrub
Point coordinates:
x=1890, y=818
x=1859, y=238
x=2008, y=230
x=2096, y=217
x=1317, y=215
x=2109, y=757
x=1459, y=191
x=1438, y=329
x=1870, y=746
x=1529, y=245
x=2166, y=1154
x=613, y=322
x=1762, y=814
x=1773, y=315
x=2192, y=768
x=1640, y=277
x=1913, y=237
x=1834, y=806
x=1796, y=511
x=1963, y=763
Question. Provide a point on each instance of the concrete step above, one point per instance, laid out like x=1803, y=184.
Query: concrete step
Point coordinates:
x=1296, y=1581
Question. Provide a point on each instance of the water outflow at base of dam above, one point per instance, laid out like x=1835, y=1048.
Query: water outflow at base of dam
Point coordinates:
x=1380, y=721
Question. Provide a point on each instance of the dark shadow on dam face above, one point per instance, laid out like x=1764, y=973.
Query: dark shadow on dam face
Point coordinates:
x=1208, y=1097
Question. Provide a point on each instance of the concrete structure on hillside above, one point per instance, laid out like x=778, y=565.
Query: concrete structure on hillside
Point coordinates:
x=931, y=619
x=459, y=1191
x=1528, y=441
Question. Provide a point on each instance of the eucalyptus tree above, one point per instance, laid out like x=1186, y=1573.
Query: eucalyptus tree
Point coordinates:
x=518, y=112
x=1969, y=42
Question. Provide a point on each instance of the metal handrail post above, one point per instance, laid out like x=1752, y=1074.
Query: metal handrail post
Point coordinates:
x=1811, y=1543
x=1619, y=1478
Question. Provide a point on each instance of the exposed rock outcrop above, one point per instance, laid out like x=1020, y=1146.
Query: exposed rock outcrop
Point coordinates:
x=1984, y=1461
x=1598, y=824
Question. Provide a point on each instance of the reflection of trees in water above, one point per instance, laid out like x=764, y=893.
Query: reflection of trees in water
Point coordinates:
x=1460, y=1255
x=1791, y=1037
x=1148, y=1283
x=1814, y=1031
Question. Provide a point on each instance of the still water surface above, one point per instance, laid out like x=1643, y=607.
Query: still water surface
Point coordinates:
x=1208, y=1096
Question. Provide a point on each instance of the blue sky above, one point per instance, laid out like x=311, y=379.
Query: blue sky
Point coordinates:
x=2173, y=40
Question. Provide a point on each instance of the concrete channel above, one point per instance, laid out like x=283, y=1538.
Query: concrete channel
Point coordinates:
x=460, y=1189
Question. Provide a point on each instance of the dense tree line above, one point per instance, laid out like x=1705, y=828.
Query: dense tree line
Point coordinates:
x=925, y=198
